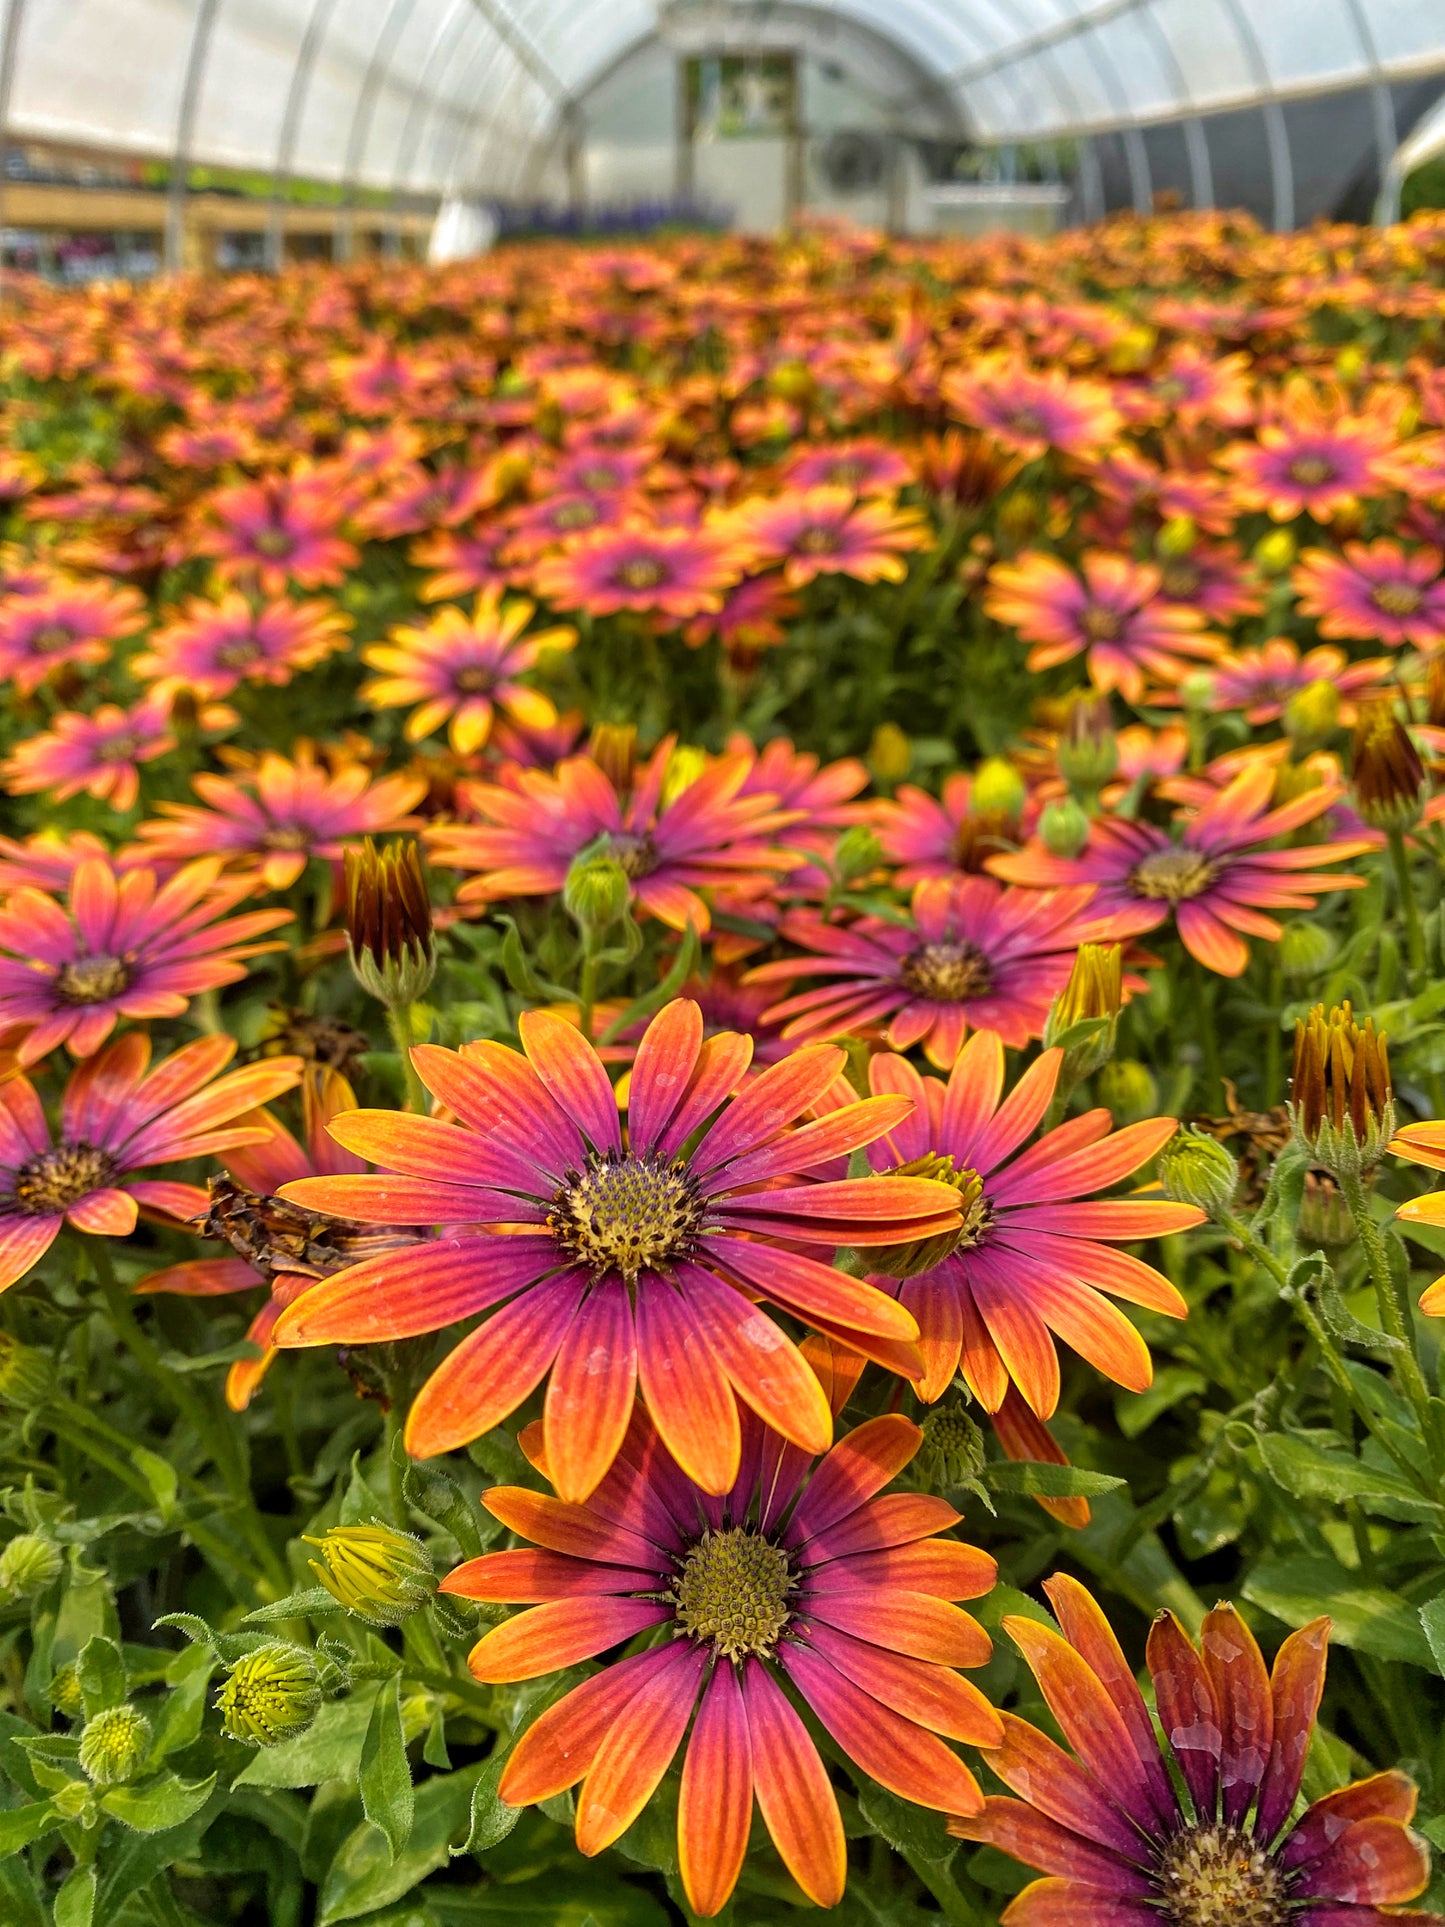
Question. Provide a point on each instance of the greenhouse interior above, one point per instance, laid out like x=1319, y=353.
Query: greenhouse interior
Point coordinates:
x=722, y=963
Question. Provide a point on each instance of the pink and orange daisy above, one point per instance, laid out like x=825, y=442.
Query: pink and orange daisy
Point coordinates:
x=939, y=836
x=670, y=573
x=1192, y=1819
x=276, y=531
x=1112, y=612
x=1313, y=458
x=1260, y=682
x=71, y=623
x=98, y=754
x=864, y=467
x=273, y=822
x=809, y=532
x=711, y=836
x=1033, y=1261
x=215, y=646
x=1374, y=592
x=1216, y=878
x=621, y=1265
x=465, y=671
x=122, y=944
x=1033, y=410
x=973, y=955
x=119, y=1117
x=808, y=1574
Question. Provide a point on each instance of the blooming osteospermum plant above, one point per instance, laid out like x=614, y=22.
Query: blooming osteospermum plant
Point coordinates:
x=802, y=1572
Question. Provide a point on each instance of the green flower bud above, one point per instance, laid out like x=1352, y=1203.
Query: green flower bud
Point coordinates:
x=75, y=1801
x=1092, y=995
x=1196, y=691
x=114, y=1745
x=388, y=922
x=1088, y=752
x=857, y=853
x=65, y=1694
x=684, y=766
x=26, y=1375
x=997, y=790
x=1195, y=1168
x=1127, y=1090
x=1179, y=536
x=28, y=1564
x=595, y=893
x=953, y=1451
x=270, y=1695
x=1275, y=552
x=1064, y=826
x=890, y=754
x=1312, y=714
x=380, y=1574
x=1305, y=950
x=922, y=1254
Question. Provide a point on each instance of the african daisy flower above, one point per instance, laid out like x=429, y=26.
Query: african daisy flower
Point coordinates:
x=1033, y=410
x=215, y=646
x=801, y=1572
x=122, y=944
x=668, y=572
x=98, y=754
x=1033, y=1260
x=1113, y=612
x=1216, y=878
x=1311, y=459
x=938, y=836
x=751, y=618
x=827, y=531
x=466, y=670
x=1260, y=682
x=71, y=623
x=276, y=531
x=275, y=821
x=620, y=1265
x=863, y=467
x=1374, y=592
x=281, y=1246
x=974, y=955
x=117, y=1117
x=1191, y=1823
x=710, y=836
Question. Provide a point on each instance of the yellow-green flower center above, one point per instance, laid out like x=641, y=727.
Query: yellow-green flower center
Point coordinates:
x=733, y=1592
x=635, y=855
x=473, y=680
x=946, y=972
x=818, y=540
x=1172, y=876
x=1218, y=1877
x=1100, y=624
x=91, y=980
x=1398, y=598
x=1311, y=470
x=55, y=1180
x=627, y=1214
x=645, y=572
x=55, y=635
x=239, y=653
x=273, y=543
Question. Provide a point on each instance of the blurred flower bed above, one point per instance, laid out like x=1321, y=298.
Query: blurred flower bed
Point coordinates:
x=675, y=922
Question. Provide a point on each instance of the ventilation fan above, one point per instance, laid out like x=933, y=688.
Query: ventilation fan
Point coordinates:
x=853, y=163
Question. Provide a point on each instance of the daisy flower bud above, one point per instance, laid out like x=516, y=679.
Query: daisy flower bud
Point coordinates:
x=1342, y=1105
x=65, y=1694
x=596, y=892
x=857, y=853
x=1179, y=536
x=1275, y=552
x=998, y=789
x=1195, y=1168
x=1088, y=752
x=1095, y=991
x=1064, y=826
x=953, y=1445
x=1387, y=777
x=1305, y=949
x=613, y=748
x=114, y=1746
x=270, y=1695
x=684, y=766
x=1127, y=1090
x=890, y=754
x=26, y=1375
x=378, y=1573
x=28, y=1564
x=388, y=922
x=1312, y=714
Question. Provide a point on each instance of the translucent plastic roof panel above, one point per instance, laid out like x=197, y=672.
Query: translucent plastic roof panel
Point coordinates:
x=456, y=94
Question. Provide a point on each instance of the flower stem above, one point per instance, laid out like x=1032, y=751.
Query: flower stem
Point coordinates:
x=1395, y=1312
x=1213, y=1092
x=1414, y=933
x=399, y=1023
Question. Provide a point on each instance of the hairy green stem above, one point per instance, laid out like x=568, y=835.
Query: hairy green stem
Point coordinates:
x=1395, y=1311
x=399, y=1023
x=1405, y=883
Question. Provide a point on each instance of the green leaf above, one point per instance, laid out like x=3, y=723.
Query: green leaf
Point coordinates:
x=1036, y=1480
x=647, y=1006
x=158, y=1804
x=162, y=1478
x=101, y=1673
x=20, y=1904
x=1432, y=1618
x=75, y=1903
x=305, y=1604
x=1366, y=1618
x=1135, y=1412
x=387, y=1797
x=907, y=1828
x=183, y=1710
x=20, y=1825
x=492, y=1819
x=362, y=1877
x=1307, y=1471
x=329, y=1749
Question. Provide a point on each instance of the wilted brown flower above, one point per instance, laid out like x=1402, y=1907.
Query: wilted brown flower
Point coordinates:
x=1341, y=1103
